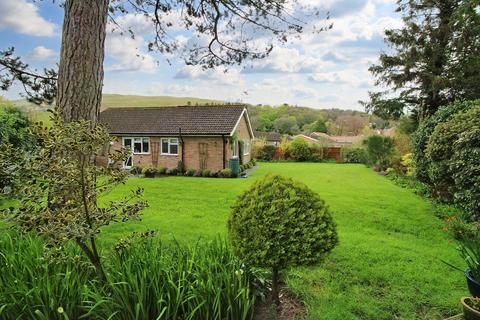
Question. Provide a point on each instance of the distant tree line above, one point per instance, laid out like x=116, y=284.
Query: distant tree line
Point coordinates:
x=288, y=119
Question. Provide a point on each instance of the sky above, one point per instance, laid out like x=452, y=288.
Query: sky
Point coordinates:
x=321, y=70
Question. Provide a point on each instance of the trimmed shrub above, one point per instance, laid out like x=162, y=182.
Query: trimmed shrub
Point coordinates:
x=225, y=173
x=190, y=172
x=421, y=137
x=279, y=223
x=162, y=170
x=354, y=155
x=453, y=151
x=213, y=174
x=206, y=173
x=149, y=171
x=299, y=150
x=379, y=150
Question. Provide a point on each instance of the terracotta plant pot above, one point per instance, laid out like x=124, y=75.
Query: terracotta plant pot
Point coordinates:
x=468, y=312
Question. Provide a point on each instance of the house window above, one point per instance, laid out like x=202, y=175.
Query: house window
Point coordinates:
x=234, y=149
x=246, y=147
x=169, y=146
x=140, y=145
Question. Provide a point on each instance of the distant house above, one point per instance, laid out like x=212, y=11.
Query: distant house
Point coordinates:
x=271, y=138
x=304, y=137
x=202, y=137
x=336, y=141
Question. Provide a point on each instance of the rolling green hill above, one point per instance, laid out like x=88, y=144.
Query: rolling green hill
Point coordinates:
x=118, y=100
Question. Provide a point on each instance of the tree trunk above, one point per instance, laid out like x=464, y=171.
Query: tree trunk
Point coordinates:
x=80, y=75
x=275, y=289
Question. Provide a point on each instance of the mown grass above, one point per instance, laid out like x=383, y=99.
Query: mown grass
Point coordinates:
x=387, y=265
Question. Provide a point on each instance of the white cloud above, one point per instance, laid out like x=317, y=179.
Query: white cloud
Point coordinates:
x=286, y=60
x=129, y=55
x=23, y=17
x=42, y=53
x=128, y=51
x=219, y=76
x=329, y=69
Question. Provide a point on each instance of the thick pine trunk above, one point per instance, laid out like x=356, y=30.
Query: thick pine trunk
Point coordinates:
x=80, y=76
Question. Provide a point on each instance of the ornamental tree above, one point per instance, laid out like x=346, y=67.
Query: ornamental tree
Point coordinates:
x=279, y=223
x=379, y=149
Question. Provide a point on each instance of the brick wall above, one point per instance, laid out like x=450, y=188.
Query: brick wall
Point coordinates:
x=242, y=134
x=214, y=159
x=214, y=151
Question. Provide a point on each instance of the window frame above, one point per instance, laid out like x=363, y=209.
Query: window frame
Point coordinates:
x=132, y=146
x=169, y=141
x=246, y=147
x=235, y=150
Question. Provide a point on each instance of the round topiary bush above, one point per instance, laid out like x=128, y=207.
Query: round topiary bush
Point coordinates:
x=454, y=154
x=279, y=223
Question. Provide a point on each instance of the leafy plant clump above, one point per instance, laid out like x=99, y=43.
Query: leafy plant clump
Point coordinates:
x=279, y=223
x=421, y=137
x=267, y=152
x=300, y=150
x=149, y=280
x=59, y=197
x=453, y=151
x=473, y=303
x=354, y=155
x=149, y=171
x=172, y=171
x=162, y=170
x=225, y=173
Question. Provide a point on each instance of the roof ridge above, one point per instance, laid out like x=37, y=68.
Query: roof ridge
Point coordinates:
x=179, y=106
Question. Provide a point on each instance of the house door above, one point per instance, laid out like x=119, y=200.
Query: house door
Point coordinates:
x=203, y=155
x=127, y=144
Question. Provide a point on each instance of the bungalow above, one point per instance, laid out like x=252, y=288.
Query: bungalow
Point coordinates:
x=200, y=137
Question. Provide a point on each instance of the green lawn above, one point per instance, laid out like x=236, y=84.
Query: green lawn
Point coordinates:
x=386, y=266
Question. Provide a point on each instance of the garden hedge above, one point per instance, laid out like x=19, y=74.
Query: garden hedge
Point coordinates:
x=453, y=151
x=421, y=137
